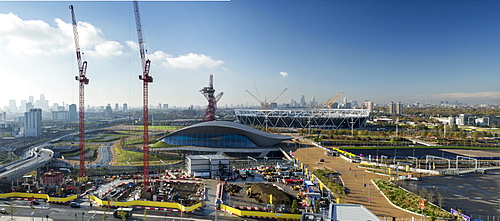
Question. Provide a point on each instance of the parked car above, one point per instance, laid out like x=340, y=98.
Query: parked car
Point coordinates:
x=4, y=211
x=74, y=204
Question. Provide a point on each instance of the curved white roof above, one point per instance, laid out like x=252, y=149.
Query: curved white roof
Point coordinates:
x=260, y=138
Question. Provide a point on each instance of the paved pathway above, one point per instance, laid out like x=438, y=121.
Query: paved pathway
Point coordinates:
x=353, y=178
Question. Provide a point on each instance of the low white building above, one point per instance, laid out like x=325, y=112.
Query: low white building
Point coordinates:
x=208, y=165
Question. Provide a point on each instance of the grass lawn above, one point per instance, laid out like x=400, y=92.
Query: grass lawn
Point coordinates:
x=160, y=144
x=136, y=158
x=158, y=127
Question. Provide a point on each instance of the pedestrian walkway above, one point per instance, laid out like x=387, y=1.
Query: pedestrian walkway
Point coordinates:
x=354, y=179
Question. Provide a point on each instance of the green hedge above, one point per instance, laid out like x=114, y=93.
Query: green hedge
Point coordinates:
x=408, y=200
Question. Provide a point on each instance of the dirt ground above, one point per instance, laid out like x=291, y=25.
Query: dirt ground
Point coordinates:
x=262, y=191
x=259, y=194
x=354, y=179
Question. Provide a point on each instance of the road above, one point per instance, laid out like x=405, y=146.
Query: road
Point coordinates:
x=104, y=157
x=86, y=212
x=38, y=157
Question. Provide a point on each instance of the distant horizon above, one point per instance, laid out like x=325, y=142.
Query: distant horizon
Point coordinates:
x=249, y=105
x=380, y=51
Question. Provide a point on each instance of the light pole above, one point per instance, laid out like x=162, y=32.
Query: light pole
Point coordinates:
x=363, y=182
x=394, y=161
x=181, y=207
x=352, y=127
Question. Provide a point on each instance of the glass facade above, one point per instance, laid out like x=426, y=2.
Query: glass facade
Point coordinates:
x=210, y=140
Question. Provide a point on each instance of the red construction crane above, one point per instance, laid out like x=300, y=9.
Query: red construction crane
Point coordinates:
x=146, y=79
x=209, y=92
x=82, y=69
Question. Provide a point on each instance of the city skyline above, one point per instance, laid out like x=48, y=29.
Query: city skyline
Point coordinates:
x=378, y=51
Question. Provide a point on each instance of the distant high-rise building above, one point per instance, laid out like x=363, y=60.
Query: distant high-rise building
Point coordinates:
x=335, y=105
x=117, y=107
x=108, y=112
x=3, y=117
x=33, y=123
x=399, y=108
x=165, y=106
x=60, y=115
x=29, y=106
x=354, y=103
x=55, y=106
x=313, y=101
x=73, y=114
x=42, y=103
x=125, y=107
x=22, y=108
x=12, y=106
x=345, y=100
x=31, y=100
x=159, y=106
x=303, y=101
x=369, y=105
x=392, y=108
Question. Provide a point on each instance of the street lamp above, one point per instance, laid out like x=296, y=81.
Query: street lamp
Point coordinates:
x=394, y=160
x=181, y=207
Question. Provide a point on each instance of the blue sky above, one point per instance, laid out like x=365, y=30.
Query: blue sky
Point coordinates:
x=381, y=51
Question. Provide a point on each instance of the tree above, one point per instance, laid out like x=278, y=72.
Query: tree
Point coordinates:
x=316, y=206
x=439, y=199
x=295, y=206
x=104, y=216
x=11, y=209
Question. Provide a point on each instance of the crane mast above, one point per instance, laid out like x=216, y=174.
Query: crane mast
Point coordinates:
x=83, y=80
x=146, y=79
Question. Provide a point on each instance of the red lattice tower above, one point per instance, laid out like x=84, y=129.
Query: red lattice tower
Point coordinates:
x=209, y=92
x=146, y=79
x=83, y=80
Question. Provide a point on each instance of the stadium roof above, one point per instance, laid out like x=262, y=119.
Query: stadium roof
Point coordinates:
x=260, y=138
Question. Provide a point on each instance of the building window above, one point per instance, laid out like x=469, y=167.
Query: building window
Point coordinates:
x=210, y=140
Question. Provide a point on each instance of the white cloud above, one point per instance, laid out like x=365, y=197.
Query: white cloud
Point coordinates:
x=284, y=74
x=133, y=45
x=189, y=61
x=36, y=37
x=107, y=48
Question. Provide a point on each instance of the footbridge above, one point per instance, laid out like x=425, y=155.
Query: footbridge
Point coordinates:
x=425, y=143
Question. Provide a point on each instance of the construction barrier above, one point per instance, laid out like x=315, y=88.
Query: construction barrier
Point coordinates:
x=150, y=204
x=27, y=196
x=259, y=215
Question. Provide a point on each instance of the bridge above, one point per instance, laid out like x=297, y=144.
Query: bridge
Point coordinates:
x=459, y=171
x=425, y=143
x=37, y=157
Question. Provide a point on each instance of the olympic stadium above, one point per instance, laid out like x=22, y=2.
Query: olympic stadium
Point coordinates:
x=224, y=137
x=304, y=118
